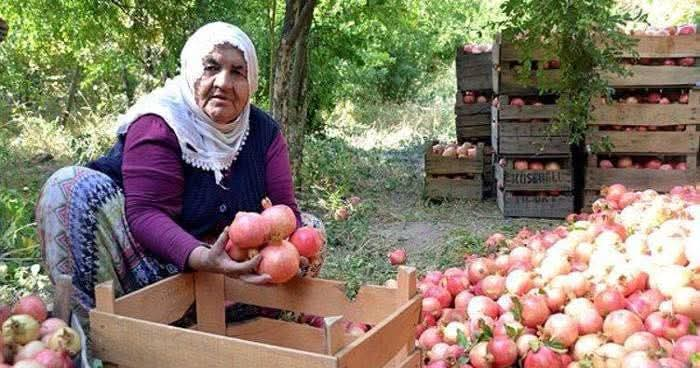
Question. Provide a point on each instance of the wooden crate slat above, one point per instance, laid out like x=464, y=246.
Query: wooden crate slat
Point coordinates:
x=473, y=132
x=534, y=145
x=647, y=142
x=508, y=112
x=464, y=61
x=285, y=334
x=534, y=180
x=439, y=165
x=165, y=301
x=474, y=71
x=318, y=297
x=509, y=84
x=639, y=179
x=126, y=341
x=644, y=114
x=654, y=76
x=526, y=129
x=535, y=206
x=454, y=188
x=413, y=361
x=509, y=52
x=665, y=47
x=210, y=302
x=382, y=342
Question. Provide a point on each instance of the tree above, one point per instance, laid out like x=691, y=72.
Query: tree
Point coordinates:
x=290, y=104
x=3, y=29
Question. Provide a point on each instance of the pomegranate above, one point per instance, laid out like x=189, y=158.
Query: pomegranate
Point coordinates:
x=50, y=325
x=534, y=310
x=281, y=218
x=642, y=341
x=431, y=305
x=462, y=300
x=543, y=357
x=520, y=165
x=562, y=329
x=517, y=101
x=455, y=284
x=493, y=286
x=29, y=351
x=589, y=321
x=536, y=165
x=586, y=345
x=685, y=347
x=451, y=332
x=280, y=260
x=552, y=166
x=50, y=359
x=686, y=301
x=608, y=301
x=308, y=241
x=65, y=339
x=397, y=257
x=249, y=230
x=31, y=305
x=482, y=99
x=503, y=350
x=621, y=324
x=479, y=356
x=653, y=97
x=606, y=164
x=686, y=29
x=429, y=338
x=20, y=329
x=671, y=363
x=624, y=162
x=639, y=359
x=441, y=294
x=480, y=268
x=469, y=97
x=482, y=306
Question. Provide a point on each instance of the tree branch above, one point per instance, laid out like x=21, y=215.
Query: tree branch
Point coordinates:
x=304, y=17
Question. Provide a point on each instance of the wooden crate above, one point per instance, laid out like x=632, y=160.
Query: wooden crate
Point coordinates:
x=514, y=205
x=513, y=132
x=640, y=179
x=472, y=122
x=647, y=114
x=535, y=180
x=661, y=48
x=439, y=165
x=505, y=80
x=134, y=330
x=457, y=187
x=474, y=71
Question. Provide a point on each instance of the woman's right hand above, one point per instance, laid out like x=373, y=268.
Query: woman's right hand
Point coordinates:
x=216, y=260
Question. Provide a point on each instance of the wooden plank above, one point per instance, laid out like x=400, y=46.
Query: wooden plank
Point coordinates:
x=512, y=205
x=640, y=179
x=459, y=188
x=415, y=360
x=656, y=76
x=385, y=340
x=533, y=145
x=165, y=301
x=509, y=84
x=333, y=332
x=665, y=47
x=644, y=114
x=318, y=297
x=209, y=297
x=510, y=52
x=528, y=112
x=63, y=296
x=646, y=142
x=127, y=341
x=473, y=133
x=534, y=180
x=439, y=165
x=527, y=129
x=406, y=280
x=285, y=334
x=104, y=297
x=475, y=83
x=465, y=61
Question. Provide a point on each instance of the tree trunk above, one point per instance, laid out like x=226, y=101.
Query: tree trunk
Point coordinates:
x=289, y=103
x=3, y=29
x=271, y=31
x=70, y=100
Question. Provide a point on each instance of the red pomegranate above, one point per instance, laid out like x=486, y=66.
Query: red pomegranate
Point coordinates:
x=280, y=260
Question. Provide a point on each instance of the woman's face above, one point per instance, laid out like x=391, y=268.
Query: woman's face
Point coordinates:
x=223, y=91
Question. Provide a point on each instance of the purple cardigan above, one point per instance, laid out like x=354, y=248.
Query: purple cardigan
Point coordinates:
x=152, y=169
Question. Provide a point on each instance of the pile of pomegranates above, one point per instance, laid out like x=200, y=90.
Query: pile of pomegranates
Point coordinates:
x=619, y=287
x=273, y=234
x=660, y=97
x=473, y=97
x=641, y=162
x=455, y=150
x=656, y=31
x=523, y=164
x=32, y=340
x=476, y=49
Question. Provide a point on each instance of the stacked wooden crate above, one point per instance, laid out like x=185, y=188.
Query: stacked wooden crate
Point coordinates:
x=454, y=177
x=649, y=133
x=534, y=172
x=475, y=75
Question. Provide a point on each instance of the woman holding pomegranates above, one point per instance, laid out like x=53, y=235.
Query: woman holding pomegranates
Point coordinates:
x=189, y=157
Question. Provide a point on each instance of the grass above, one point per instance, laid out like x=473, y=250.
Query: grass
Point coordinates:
x=373, y=151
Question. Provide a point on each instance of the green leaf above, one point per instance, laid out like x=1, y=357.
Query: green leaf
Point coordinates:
x=513, y=332
x=695, y=359
x=486, y=332
x=463, y=360
x=463, y=341
x=585, y=363
x=693, y=328
x=556, y=346
x=517, y=309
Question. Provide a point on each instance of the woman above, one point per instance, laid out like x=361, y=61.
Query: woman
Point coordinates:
x=189, y=156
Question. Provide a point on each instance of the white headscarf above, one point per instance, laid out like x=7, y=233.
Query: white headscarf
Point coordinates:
x=204, y=144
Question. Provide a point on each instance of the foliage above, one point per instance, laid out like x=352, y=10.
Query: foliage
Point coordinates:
x=586, y=36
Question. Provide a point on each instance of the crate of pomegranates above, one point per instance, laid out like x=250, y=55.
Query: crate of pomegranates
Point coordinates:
x=507, y=63
x=526, y=126
x=541, y=204
x=474, y=67
x=457, y=171
x=664, y=57
x=534, y=173
x=473, y=116
x=136, y=330
x=32, y=338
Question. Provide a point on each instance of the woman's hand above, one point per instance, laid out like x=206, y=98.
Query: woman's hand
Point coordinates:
x=215, y=259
